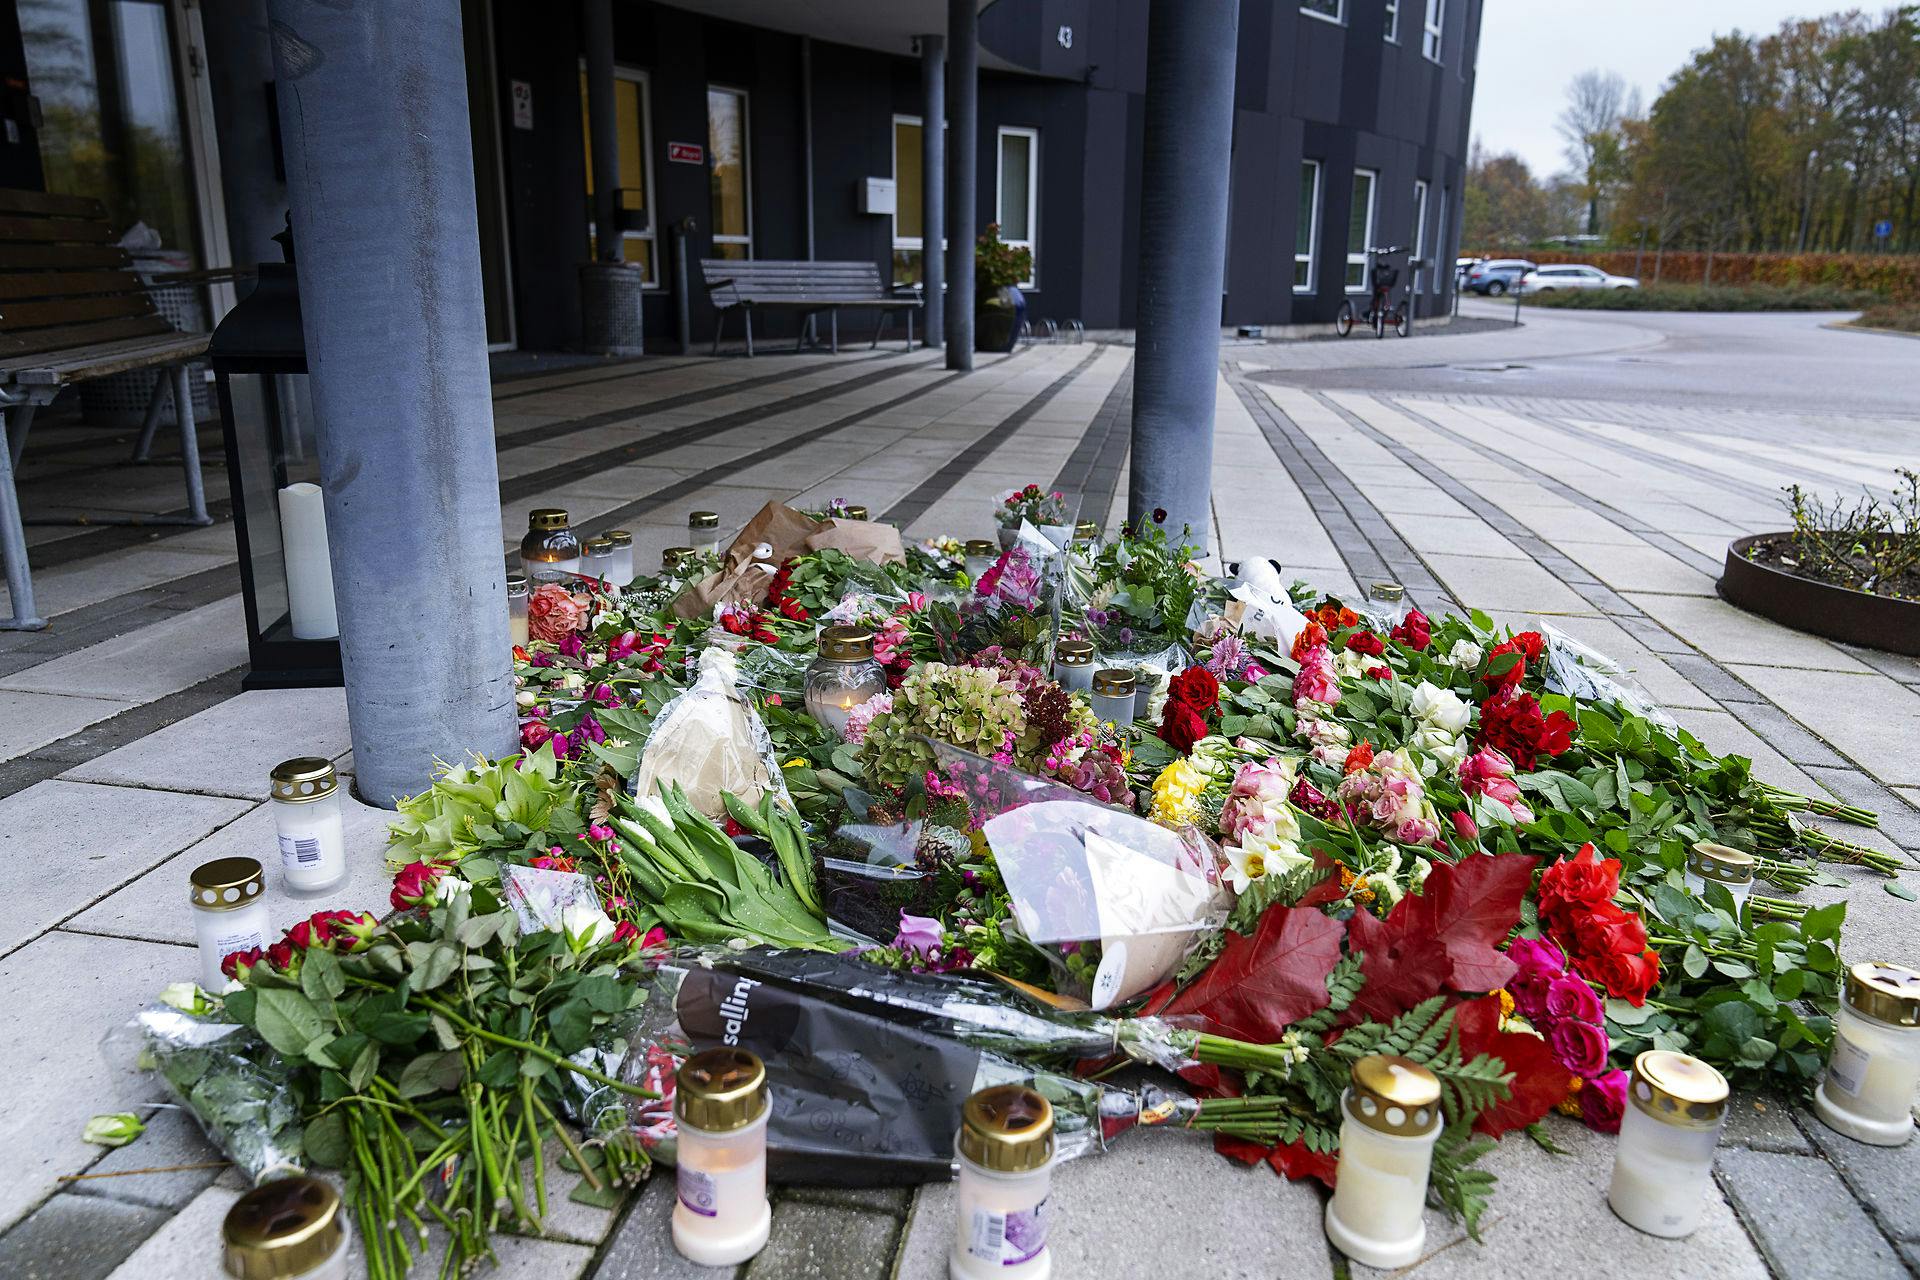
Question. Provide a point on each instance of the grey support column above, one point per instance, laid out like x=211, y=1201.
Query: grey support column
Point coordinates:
x=379, y=156
x=1183, y=238
x=963, y=74
x=603, y=128
x=933, y=181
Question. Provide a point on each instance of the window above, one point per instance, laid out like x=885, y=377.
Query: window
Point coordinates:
x=1360, y=229
x=728, y=172
x=1440, y=246
x=1393, y=21
x=1419, y=241
x=1306, y=228
x=1019, y=193
x=1326, y=10
x=1436, y=21
x=634, y=145
x=908, y=225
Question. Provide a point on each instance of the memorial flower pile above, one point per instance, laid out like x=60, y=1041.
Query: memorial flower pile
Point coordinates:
x=1363, y=832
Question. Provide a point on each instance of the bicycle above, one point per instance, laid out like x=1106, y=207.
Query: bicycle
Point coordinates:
x=1382, y=312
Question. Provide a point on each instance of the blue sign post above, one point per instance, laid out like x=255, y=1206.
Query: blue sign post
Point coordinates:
x=1883, y=229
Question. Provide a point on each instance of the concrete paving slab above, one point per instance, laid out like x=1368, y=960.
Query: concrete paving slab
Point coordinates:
x=812, y=1241
x=155, y=907
x=69, y=843
x=1453, y=535
x=151, y=662
x=641, y=1246
x=1482, y=583
x=1728, y=634
x=173, y=1140
x=1805, y=1221
x=30, y=720
x=77, y=1238
x=1869, y=718
x=1638, y=568
x=229, y=749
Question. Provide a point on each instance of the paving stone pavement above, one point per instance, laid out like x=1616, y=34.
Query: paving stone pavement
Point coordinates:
x=128, y=755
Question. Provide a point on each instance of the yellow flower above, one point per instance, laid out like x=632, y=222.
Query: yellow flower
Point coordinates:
x=1570, y=1105
x=794, y=763
x=1176, y=793
x=1506, y=1006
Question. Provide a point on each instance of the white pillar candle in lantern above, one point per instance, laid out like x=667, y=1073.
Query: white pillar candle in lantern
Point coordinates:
x=1390, y=1119
x=303, y=544
x=1867, y=1092
x=306, y=818
x=1073, y=665
x=621, y=573
x=843, y=676
x=1664, y=1160
x=1113, y=695
x=720, y=1108
x=1005, y=1149
x=1725, y=866
x=229, y=898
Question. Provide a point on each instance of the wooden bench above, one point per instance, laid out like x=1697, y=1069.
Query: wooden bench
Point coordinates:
x=70, y=309
x=809, y=289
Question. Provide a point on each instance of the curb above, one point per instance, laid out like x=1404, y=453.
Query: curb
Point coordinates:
x=1848, y=326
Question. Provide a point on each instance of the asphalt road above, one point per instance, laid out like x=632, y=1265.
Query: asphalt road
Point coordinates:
x=1789, y=362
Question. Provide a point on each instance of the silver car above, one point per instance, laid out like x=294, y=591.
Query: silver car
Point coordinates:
x=1569, y=276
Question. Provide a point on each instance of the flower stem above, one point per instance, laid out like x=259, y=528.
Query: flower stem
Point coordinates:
x=539, y=1051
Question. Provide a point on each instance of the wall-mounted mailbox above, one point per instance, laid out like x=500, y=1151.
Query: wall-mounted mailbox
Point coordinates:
x=875, y=195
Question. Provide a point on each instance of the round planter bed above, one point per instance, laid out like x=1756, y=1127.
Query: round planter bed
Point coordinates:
x=1838, y=613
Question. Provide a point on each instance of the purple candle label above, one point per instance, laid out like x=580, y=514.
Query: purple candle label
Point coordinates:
x=696, y=1191
x=1009, y=1238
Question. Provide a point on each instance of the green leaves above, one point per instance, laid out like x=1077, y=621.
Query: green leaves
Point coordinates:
x=287, y=1020
x=432, y=1073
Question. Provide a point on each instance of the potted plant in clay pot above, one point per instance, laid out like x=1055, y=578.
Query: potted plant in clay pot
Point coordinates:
x=999, y=306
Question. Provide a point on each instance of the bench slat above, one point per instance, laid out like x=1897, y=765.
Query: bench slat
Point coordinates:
x=47, y=204
x=99, y=359
x=18, y=316
x=55, y=231
x=41, y=341
x=66, y=284
x=61, y=257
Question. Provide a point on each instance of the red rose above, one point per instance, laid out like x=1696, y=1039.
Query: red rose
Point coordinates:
x=1366, y=642
x=414, y=882
x=1585, y=880
x=1182, y=726
x=1464, y=826
x=1310, y=798
x=234, y=962
x=1415, y=631
x=1379, y=673
x=1628, y=976
x=1359, y=758
x=1530, y=643
x=301, y=935
x=1502, y=680
x=280, y=955
x=533, y=733
x=1511, y=722
x=1606, y=930
x=1197, y=688
x=625, y=932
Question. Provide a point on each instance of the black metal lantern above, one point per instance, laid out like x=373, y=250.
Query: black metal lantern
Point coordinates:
x=259, y=359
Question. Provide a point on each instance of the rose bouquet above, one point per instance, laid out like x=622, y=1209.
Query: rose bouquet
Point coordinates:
x=1033, y=505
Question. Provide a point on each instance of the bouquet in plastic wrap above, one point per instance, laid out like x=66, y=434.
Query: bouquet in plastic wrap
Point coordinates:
x=869, y=1068
x=709, y=741
x=1588, y=675
x=228, y=1078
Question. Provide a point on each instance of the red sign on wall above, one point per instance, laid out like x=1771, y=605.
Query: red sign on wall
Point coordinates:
x=686, y=153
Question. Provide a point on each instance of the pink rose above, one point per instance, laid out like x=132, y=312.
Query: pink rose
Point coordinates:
x=553, y=614
x=1569, y=997
x=533, y=733
x=1580, y=1047
x=1602, y=1100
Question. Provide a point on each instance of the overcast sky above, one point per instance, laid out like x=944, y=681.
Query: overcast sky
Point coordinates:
x=1530, y=48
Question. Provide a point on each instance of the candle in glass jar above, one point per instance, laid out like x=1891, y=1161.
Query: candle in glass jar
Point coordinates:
x=517, y=607
x=306, y=817
x=1389, y=1122
x=1073, y=665
x=1867, y=1092
x=843, y=676
x=1113, y=695
x=1727, y=867
x=229, y=898
x=621, y=572
x=1005, y=1148
x=1389, y=598
x=597, y=562
x=855, y=511
x=979, y=556
x=550, y=552
x=1664, y=1160
x=674, y=561
x=288, y=1228
x=720, y=1109
x=703, y=531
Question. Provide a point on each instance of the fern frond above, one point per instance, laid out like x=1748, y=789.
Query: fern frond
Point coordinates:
x=1455, y=1184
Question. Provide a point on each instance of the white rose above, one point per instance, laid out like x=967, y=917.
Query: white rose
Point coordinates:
x=585, y=926
x=1465, y=653
x=1441, y=745
x=183, y=996
x=452, y=886
x=1352, y=665
x=1440, y=708
x=526, y=697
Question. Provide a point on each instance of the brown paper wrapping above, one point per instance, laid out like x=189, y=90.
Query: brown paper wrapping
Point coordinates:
x=743, y=580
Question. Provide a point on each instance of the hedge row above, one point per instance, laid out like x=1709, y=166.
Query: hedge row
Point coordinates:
x=1715, y=297
x=1894, y=276
x=1906, y=319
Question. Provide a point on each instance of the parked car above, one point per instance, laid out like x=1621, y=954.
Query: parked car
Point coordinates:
x=1570, y=276
x=1461, y=266
x=1497, y=275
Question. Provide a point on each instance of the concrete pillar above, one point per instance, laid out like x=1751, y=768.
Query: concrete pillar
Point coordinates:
x=603, y=128
x=933, y=181
x=379, y=156
x=1186, y=151
x=240, y=71
x=963, y=90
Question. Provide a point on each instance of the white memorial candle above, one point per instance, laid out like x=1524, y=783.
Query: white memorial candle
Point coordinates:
x=720, y=1109
x=1005, y=1150
x=1867, y=1092
x=1664, y=1159
x=1390, y=1119
x=303, y=543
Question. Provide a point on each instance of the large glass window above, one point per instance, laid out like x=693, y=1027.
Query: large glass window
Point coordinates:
x=1419, y=240
x=1019, y=193
x=727, y=165
x=633, y=121
x=1445, y=262
x=1306, y=228
x=1330, y=10
x=909, y=225
x=1360, y=229
x=1393, y=20
x=1436, y=24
